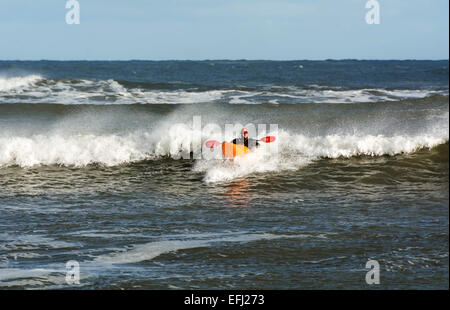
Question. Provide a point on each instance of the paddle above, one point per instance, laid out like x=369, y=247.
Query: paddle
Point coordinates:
x=268, y=139
x=213, y=143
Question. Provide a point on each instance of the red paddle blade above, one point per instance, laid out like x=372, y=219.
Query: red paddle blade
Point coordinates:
x=212, y=143
x=268, y=139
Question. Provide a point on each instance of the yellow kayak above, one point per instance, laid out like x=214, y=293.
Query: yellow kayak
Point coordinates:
x=231, y=150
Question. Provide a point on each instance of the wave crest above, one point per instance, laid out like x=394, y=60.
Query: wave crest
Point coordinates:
x=290, y=151
x=109, y=91
x=15, y=83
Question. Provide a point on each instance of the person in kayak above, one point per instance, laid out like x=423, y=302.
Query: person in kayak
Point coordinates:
x=244, y=140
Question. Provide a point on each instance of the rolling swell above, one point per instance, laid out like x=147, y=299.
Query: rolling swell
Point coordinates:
x=34, y=88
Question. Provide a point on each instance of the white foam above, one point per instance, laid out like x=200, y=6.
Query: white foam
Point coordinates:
x=180, y=96
x=17, y=83
x=112, y=92
x=323, y=95
x=334, y=146
x=55, y=273
x=290, y=150
x=95, y=92
x=297, y=150
x=51, y=277
x=262, y=160
x=148, y=251
x=15, y=273
x=78, y=150
x=238, y=98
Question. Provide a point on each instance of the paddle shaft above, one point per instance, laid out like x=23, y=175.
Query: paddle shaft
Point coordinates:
x=213, y=143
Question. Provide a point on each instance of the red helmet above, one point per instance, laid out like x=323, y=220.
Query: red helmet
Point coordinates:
x=244, y=130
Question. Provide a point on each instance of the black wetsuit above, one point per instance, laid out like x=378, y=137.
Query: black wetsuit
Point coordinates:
x=250, y=143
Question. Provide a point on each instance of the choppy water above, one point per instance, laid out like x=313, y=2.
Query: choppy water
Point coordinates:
x=90, y=171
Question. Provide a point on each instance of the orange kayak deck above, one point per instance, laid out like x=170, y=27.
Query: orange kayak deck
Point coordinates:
x=231, y=150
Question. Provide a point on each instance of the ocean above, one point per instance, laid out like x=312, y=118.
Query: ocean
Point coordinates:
x=103, y=163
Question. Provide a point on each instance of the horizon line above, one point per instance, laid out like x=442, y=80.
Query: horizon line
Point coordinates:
x=239, y=59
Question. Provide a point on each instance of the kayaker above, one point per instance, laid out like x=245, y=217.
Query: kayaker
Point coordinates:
x=244, y=140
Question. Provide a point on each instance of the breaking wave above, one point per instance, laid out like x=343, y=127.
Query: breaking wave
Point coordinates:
x=37, y=89
x=18, y=84
x=291, y=150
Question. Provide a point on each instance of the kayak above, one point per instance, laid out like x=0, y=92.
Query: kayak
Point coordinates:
x=231, y=150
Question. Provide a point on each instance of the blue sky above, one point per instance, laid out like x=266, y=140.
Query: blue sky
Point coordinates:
x=223, y=29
